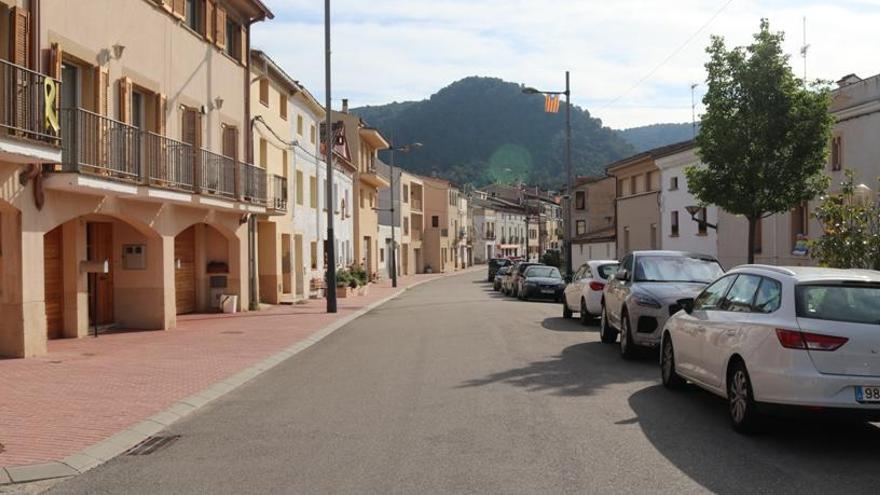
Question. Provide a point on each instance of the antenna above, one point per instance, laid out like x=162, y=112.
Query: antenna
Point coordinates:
x=694, y=110
x=804, y=49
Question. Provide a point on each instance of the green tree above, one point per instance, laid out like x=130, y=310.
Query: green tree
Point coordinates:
x=764, y=136
x=851, y=228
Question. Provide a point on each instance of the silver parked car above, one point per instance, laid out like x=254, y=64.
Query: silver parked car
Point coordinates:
x=645, y=292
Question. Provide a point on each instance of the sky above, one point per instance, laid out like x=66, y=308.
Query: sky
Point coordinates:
x=632, y=62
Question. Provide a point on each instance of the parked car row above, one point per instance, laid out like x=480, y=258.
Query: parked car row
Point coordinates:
x=768, y=339
x=527, y=280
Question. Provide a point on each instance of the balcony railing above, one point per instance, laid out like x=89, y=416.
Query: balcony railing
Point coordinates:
x=216, y=174
x=415, y=204
x=30, y=103
x=278, y=193
x=253, y=184
x=99, y=145
x=170, y=163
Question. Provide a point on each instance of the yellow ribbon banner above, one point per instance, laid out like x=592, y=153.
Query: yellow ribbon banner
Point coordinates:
x=50, y=93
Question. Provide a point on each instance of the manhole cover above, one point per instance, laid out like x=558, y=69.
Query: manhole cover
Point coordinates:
x=232, y=332
x=152, y=444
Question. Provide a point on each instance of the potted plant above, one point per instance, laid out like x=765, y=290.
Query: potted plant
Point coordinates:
x=344, y=282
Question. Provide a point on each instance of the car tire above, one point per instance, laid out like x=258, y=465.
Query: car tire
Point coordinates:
x=671, y=379
x=744, y=416
x=585, y=315
x=628, y=348
x=606, y=332
x=566, y=313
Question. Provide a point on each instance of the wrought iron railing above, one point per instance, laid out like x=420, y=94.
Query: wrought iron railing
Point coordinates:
x=253, y=184
x=169, y=163
x=215, y=174
x=30, y=104
x=278, y=192
x=99, y=145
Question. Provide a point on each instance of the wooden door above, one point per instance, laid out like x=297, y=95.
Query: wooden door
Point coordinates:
x=100, y=247
x=286, y=263
x=53, y=269
x=298, y=265
x=185, y=270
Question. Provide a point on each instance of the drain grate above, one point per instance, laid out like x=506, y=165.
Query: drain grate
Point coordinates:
x=152, y=445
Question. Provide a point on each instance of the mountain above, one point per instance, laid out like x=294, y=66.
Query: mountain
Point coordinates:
x=480, y=130
x=656, y=135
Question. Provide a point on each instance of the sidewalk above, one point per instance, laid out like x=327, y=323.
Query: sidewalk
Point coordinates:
x=88, y=390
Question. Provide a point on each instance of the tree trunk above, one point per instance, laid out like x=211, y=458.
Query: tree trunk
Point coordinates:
x=753, y=226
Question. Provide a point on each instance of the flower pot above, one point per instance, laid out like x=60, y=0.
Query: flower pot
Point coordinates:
x=342, y=292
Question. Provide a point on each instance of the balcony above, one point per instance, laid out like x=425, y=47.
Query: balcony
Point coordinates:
x=28, y=116
x=101, y=147
x=278, y=193
x=415, y=204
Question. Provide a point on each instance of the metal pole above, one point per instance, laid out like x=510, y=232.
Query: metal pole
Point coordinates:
x=393, y=240
x=331, y=238
x=567, y=239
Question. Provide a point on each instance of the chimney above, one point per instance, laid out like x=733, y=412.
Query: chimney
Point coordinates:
x=345, y=105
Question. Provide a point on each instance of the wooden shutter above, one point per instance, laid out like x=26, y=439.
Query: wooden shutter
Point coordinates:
x=179, y=8
x=102, y=86
x=220, y=27
x=54, y=61
x=230, y=142
x=125, y=89
x=19, y=45
x=161, y=103
x=208, y=20
x=242, y=46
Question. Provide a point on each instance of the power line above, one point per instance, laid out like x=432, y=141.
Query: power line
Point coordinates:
x=670, y=57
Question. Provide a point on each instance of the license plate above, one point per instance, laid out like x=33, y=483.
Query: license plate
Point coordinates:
x=867, y=394
x=548, y=291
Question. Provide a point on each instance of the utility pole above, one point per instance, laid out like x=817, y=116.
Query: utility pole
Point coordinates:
x=328, y=142
x=693, y=110
x=804, y=49
x=567, y=240
x=393, y=219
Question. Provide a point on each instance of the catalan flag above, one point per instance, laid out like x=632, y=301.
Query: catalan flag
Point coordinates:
x=551, y=103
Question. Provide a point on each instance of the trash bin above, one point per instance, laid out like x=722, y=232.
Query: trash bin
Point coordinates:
x=229, y=303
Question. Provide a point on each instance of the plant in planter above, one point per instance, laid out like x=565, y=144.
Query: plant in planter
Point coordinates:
x=344, y=282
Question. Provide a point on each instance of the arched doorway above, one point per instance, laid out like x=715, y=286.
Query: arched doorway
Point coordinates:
x=202, y=260
x=185, y=271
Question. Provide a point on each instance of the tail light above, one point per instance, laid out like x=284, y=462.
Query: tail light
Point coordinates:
x=793, y=339
x=597, y=286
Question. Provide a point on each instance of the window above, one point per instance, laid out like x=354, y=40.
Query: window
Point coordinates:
x=580, y=198
x=839, y=302
x=435, y=221
x=314, y=254
x=335, y=198
x=264, y=152
x=702, y=227
x=324, y=204
x=741, y=294
x=759, y=234
x=382, y=255
x=313, y=191
x=673, y=224
x=580, y=227
x=284, y=163
x=405, y=225
x=233, y=41
x=361, y=198
x=299, y=125
x=312, y=134
x=282, y=103
x=799, y=223
x=649, y=181
x=837, y=153
x=405, y=195
x=264, y=91
x=193, y=15
x=673, y=183
x=299, y=187
x=621, y=186
x=769, y=296
x=711, y=296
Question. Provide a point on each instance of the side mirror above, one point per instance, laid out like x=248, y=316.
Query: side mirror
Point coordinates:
x=622, y=275
x=687, y=304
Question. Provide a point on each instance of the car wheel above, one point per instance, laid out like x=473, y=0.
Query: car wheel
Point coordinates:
x=628, y=348
x=566, y=313
x=741, y=400
x=606, y=333
x=671, y=379
x=584, y=314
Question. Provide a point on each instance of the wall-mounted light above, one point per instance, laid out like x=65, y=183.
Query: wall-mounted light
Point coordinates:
x=118, y=50
x=218, y=103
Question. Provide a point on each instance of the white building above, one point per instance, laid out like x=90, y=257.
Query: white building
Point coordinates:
x=678, y=230
x=484, y=222
x=511, y=231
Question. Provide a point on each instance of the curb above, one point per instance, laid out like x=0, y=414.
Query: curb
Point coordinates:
x=105, y=450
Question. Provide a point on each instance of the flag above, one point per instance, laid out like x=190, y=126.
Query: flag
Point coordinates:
x=551, y=103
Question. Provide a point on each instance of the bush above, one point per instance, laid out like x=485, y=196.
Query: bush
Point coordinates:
x=851, y=229
x=552, y=258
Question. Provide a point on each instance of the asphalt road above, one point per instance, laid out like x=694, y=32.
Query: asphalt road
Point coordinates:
x=452, y=388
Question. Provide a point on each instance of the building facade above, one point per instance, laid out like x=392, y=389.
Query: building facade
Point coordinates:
x=637, y=203
x=593, y=216
x=438, y=242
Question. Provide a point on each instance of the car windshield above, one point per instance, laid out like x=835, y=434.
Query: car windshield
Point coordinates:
x=853, y=303
x=503, y=270
x=542, y=271
x=676, y=269
x=606, y=271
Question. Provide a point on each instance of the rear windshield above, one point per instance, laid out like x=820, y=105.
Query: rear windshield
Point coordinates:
x=676, y=269
x=542, y=271
x=854, y=303
x=498, y=262
x=606, y=271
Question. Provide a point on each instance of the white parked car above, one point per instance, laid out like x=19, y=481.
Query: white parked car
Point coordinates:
x=781, y=339
x=583, y=294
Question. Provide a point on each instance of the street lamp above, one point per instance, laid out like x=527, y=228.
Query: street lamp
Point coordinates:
x=406, y=148
x=567, y=231
x=331, y=236
x=693, y=210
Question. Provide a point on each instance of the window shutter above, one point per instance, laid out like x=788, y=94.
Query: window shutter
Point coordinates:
x=230, y=142
x=208, y=20
x=220, y=27
x=54, y=61
x=166, y=4
x=125, y=100
x=242, y=42
x=102, y=83
x=180, y=8
x=20, y=37
x=161, y=103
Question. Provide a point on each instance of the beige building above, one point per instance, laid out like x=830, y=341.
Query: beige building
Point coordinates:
x=637, y=204
x=146, y=214
x=593, y=215
x=441, y=225
x=365, y=143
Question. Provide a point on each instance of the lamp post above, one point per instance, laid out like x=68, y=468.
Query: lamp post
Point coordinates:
x=331, y=237
x=567, y=198
x=403, y=149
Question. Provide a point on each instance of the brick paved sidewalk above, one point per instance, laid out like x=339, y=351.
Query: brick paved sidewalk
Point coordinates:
x=86, y=390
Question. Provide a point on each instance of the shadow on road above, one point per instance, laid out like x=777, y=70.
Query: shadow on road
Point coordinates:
x=560, y=324
x=690, y=428
x=579, y=370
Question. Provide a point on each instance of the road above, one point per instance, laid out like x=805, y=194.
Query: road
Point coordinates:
x=452, y=388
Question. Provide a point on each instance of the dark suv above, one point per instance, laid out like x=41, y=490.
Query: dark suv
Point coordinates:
x=494, y=265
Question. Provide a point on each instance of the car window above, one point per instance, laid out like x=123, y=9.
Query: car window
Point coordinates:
x=741, y=294
x=854, y=303
x=585, y=272
x=542, y=271
x=607, y=271
x=656, y=268
x=769, y=296
x=627, y=264
x=712, y=295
